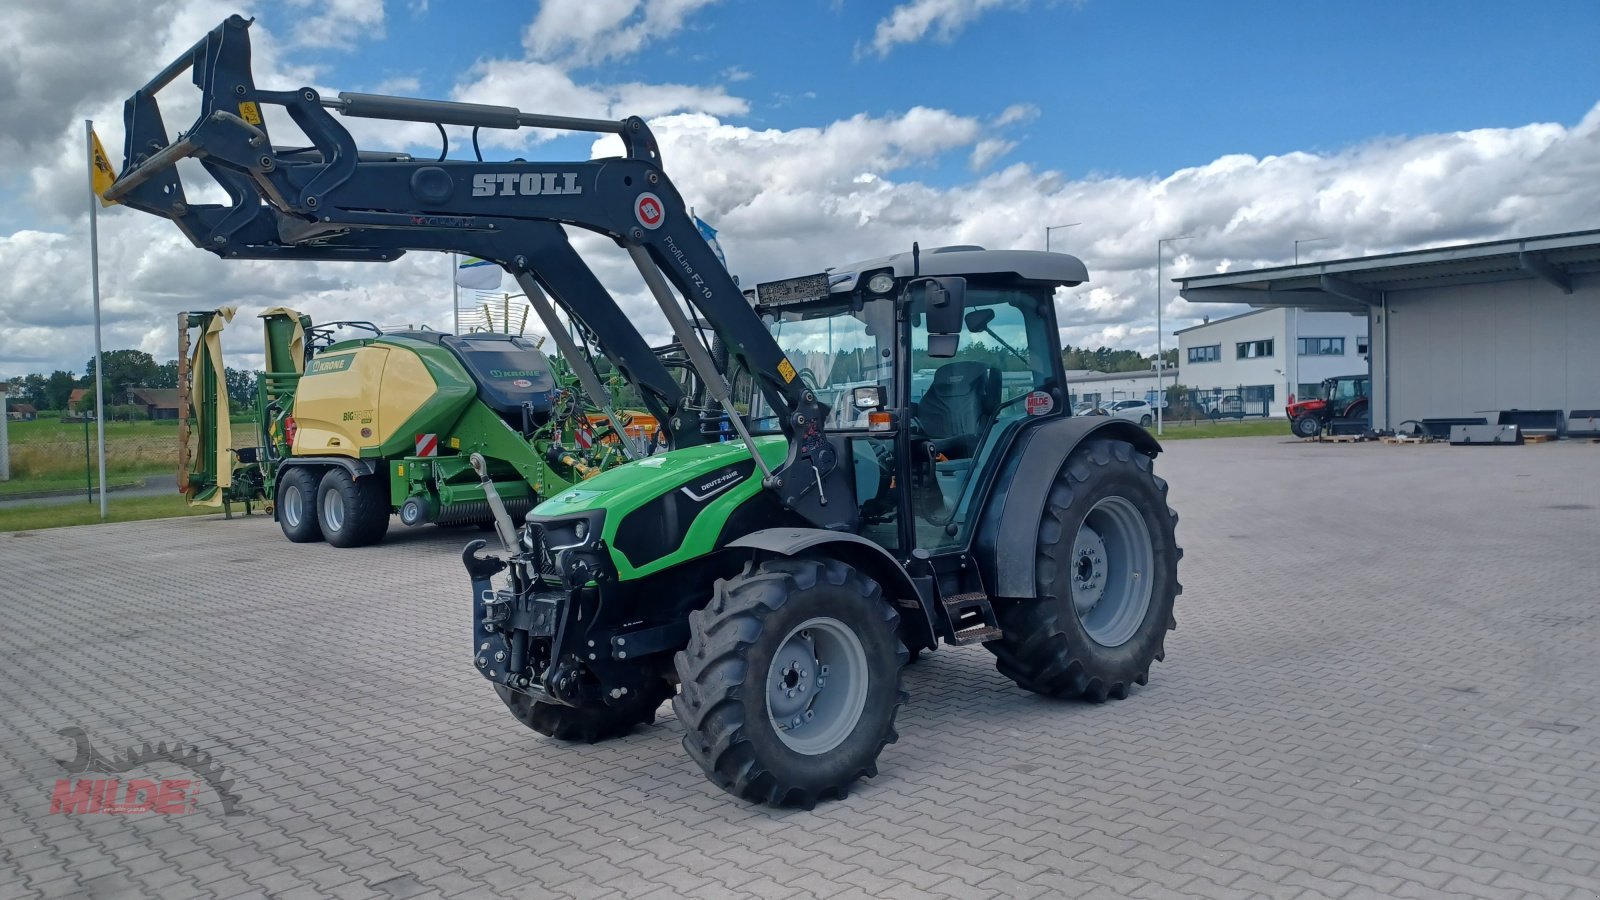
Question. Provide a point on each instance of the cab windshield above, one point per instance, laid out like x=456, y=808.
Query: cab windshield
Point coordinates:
x=834, y=349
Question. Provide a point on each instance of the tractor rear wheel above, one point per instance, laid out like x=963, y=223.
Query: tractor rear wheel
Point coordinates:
x=588, y=724
x=791, y=681
x=352, y=512
x=1106, y=576
x=1306, y=426
x=297, y=505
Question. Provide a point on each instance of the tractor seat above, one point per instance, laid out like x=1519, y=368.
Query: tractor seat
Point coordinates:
x=957, y=407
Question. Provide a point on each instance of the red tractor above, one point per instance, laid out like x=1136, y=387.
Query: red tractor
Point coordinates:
x=1342, y=398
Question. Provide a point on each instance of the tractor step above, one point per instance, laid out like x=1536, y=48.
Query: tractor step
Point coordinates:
x=971, y=619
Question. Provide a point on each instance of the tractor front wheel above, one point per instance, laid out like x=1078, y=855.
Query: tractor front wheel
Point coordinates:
x=297, y=505
x=352, y=512
x=589, y=725
x=1306, y=426
x=1106, y=577
x=791, y=681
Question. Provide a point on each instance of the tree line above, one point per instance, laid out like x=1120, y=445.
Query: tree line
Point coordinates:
x=124, y=370
x=1105, y=359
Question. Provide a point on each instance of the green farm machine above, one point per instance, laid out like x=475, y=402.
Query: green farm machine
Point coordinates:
x=354, y=430
x=899, y=468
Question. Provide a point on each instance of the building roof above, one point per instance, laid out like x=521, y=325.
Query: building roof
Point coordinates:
x=160, y=398
x=1355, y=285
x=1219, y=321
x=25, y=409
x=1136, y=375
x=1029, y=265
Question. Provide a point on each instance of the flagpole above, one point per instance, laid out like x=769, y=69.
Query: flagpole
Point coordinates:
x=94, y=280
x=455, y=293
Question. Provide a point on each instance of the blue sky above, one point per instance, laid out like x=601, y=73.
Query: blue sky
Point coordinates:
x=816, y=132
x=1121, y=88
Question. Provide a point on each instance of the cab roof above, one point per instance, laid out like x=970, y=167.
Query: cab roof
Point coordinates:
x=968, y=259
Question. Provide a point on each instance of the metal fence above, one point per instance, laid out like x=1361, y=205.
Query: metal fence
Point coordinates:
x=1244, y=401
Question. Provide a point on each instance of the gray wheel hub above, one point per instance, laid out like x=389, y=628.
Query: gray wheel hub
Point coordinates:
x=817, y=685
x=333, y=510
x=1113, y=569
x=294, y=505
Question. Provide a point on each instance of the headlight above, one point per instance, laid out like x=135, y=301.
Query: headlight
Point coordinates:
x=580, y=530
x=881, y=283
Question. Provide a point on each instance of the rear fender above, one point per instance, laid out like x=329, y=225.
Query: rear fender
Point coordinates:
x=1008, y=529
x=358, y=468
x=914, y=606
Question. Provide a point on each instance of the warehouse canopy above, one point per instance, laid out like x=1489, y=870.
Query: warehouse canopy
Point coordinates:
x=1355, y=285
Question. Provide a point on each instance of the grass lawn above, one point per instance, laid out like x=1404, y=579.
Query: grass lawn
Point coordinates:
x=22, y=517
x=1177, y=431
x=75, y=481
x=47, y=453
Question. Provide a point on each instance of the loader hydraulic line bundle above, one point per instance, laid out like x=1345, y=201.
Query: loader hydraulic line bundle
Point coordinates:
x=899, y=468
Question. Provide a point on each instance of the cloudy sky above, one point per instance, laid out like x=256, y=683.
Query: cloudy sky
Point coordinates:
x=814, y=132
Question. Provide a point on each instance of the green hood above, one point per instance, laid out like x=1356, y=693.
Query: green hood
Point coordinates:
x=626, y=489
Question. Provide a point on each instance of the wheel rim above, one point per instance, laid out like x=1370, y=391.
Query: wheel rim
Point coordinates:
x=333, y=510
x=817, y=686
x=293, y=505
x=1113, y=567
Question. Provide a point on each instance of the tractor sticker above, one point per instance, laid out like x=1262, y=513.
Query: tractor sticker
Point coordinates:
x=250, y=112
x=522, y=383
x=712, y=485
x=327, y=365
x=1039, y=403
x=531, y=184
x=786, y=369
x=649, y=211
x=427, y=445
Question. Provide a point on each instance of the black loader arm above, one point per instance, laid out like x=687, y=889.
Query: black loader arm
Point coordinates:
x=332, y=201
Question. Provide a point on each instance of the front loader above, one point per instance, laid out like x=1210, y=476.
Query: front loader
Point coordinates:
x=903, y=471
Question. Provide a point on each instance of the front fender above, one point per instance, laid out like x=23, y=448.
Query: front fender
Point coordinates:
x=861, y=553
x=1008, y=531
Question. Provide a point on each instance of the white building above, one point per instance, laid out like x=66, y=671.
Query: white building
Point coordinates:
x=1085, y=386
x=1267, y=355
x=1476, y=331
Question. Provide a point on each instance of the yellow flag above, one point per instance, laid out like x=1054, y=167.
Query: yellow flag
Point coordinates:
x=101, y=175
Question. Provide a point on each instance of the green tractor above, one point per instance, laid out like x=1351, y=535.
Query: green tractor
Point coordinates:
x=876, y=460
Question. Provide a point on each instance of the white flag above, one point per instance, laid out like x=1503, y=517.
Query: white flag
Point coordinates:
x=476, y=274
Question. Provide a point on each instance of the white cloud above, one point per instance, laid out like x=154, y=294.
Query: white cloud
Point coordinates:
x=913, y=21
x=987, y=151
x=335, y=23
x=585, y=33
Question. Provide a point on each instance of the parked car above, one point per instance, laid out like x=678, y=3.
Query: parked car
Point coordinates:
x=1230, y=406
x=1088, y=409
x=1133, y=410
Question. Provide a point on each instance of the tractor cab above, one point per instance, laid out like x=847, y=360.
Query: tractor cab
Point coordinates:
x=927, y=363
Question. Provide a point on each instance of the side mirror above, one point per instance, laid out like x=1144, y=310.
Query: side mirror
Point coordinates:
x=868, y=397
x=944, y=300
x=978, y=320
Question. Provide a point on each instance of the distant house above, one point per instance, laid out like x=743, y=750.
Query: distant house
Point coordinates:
x=21, y=412
x=76, y=398
x=158, y=403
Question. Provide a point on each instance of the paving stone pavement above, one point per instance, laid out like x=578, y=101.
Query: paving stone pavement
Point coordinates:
x=1384, y=684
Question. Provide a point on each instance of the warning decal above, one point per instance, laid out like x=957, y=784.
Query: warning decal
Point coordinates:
x=786, y=369
x=427, y=445
x=649, y=211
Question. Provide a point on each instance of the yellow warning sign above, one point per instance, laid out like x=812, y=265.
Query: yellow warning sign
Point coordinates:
x=250, y=112
x=786, y=369
x=101, y=175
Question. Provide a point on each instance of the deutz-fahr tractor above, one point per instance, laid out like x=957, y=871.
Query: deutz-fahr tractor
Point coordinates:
x=358, y=424
x=1344, y=397
x=900, y=468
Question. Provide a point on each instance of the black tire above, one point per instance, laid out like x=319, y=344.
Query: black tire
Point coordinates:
x=1146, y=421
x=1306, y=426
x=296, y=505
x=1046, y=646
x=362, y=516
x=589, y=725
x=723, y=704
